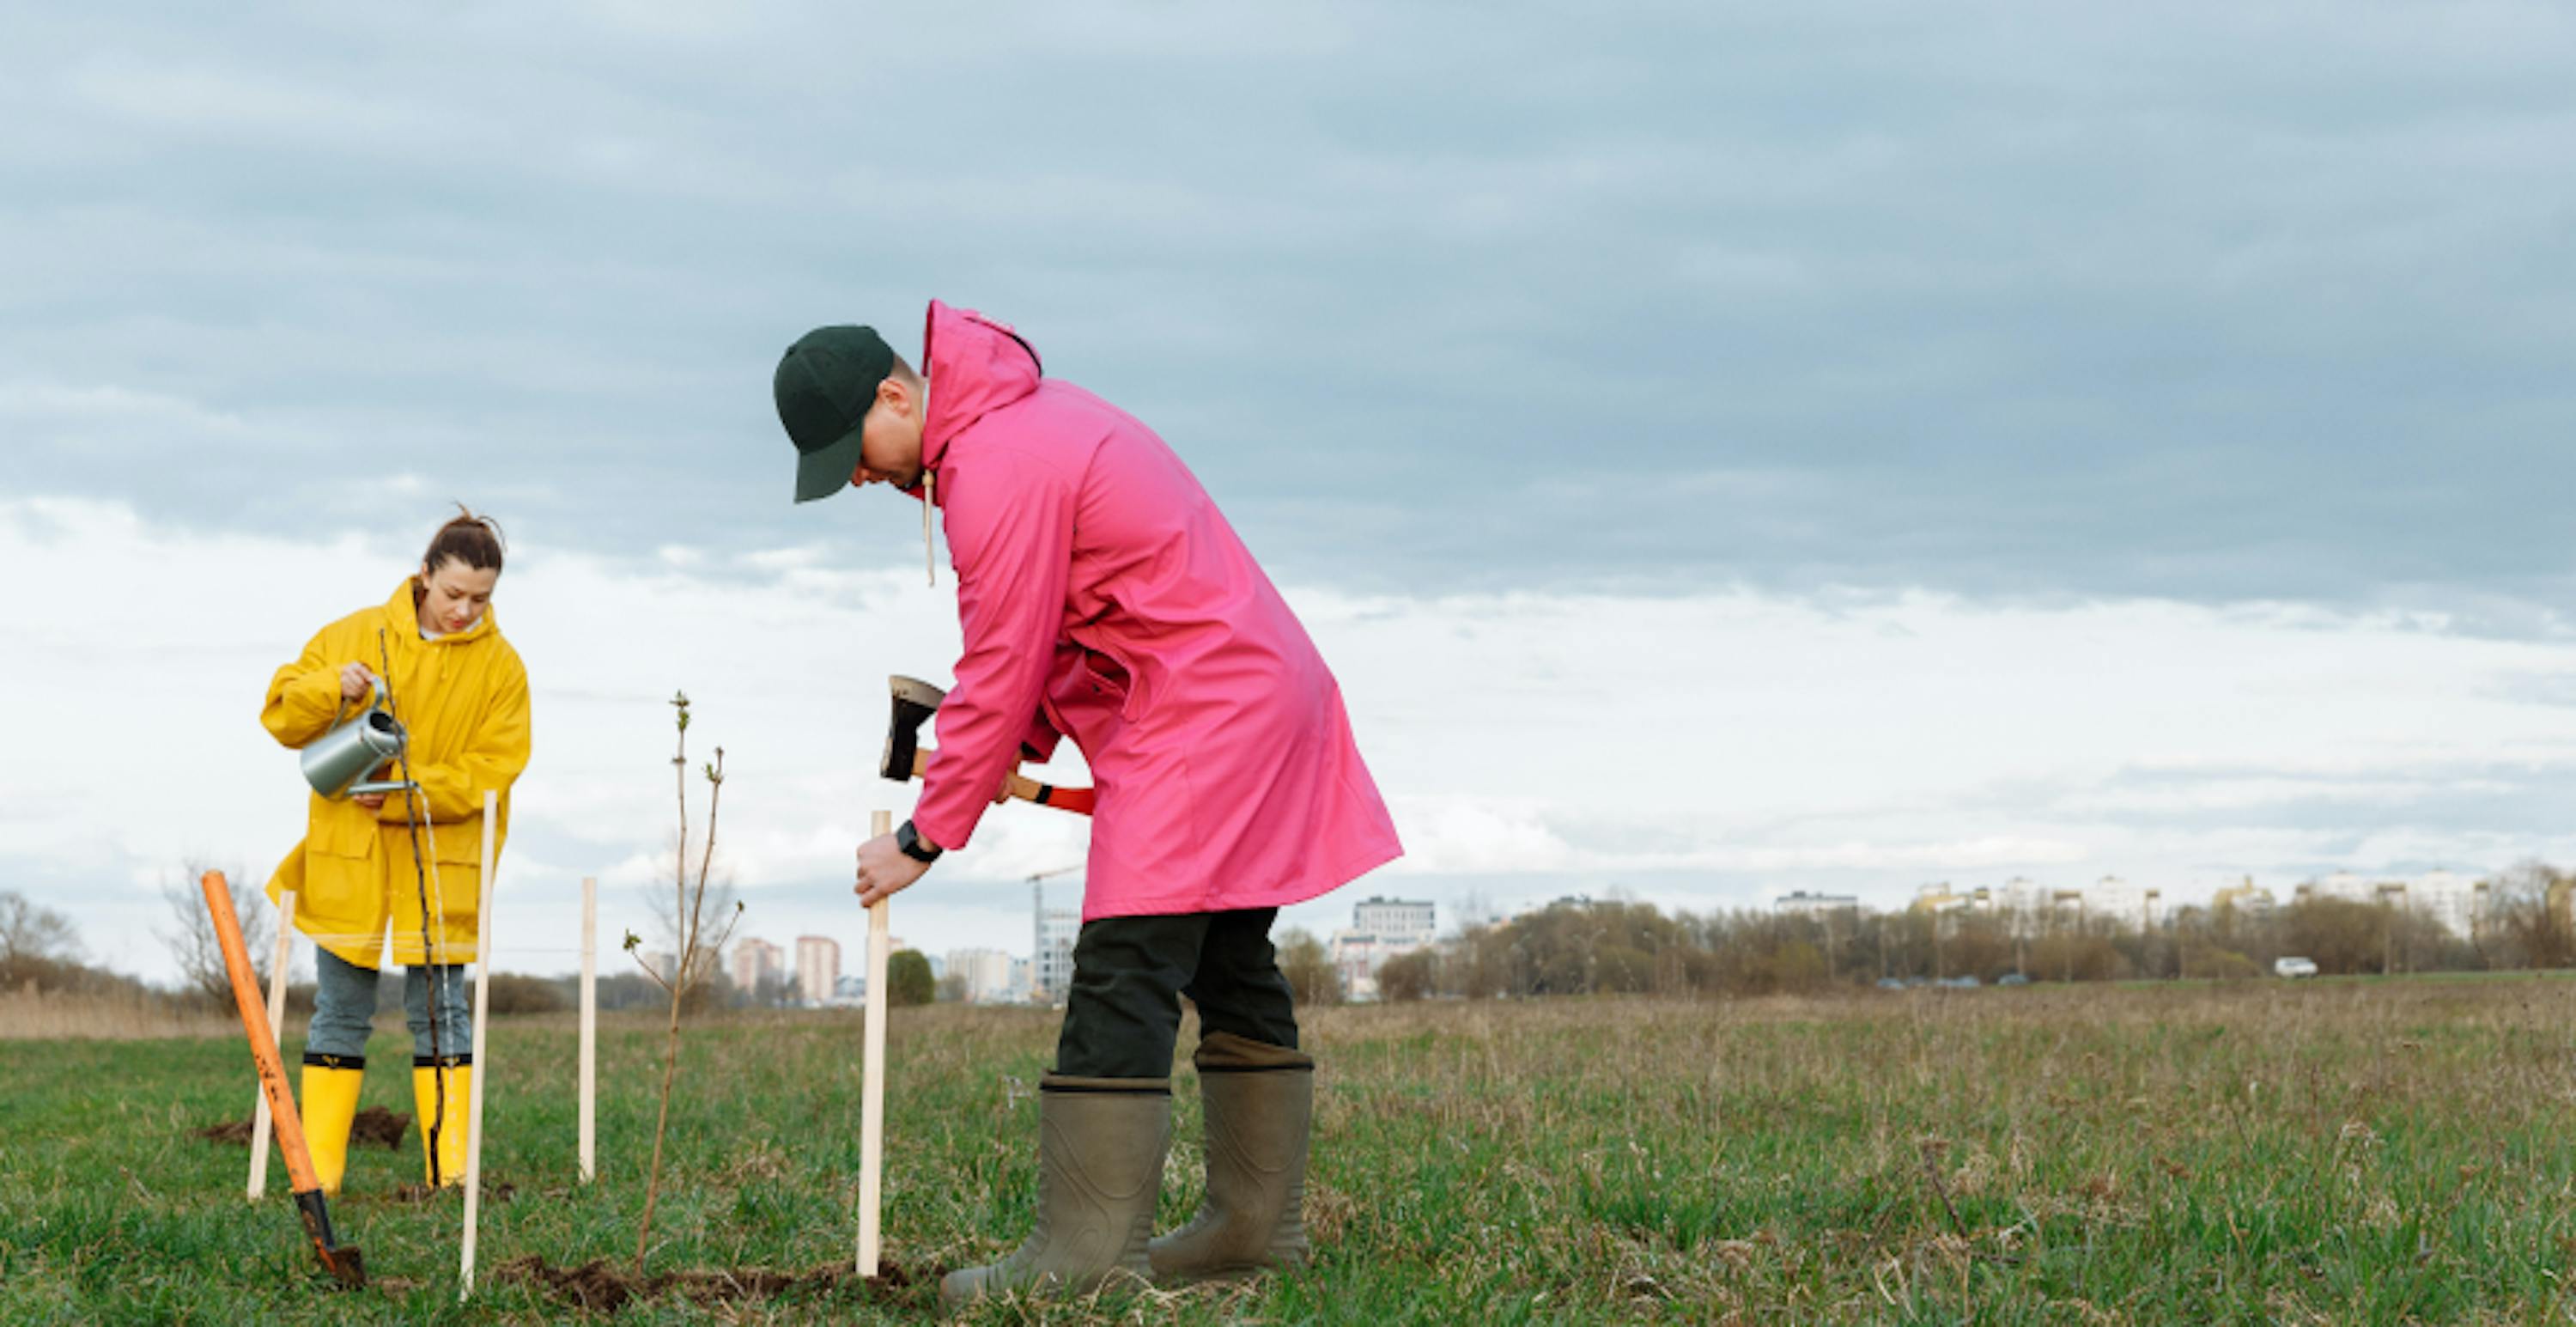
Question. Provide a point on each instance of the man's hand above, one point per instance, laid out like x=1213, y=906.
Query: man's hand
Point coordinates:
x=371, y=801
x=356, y=683
x=884, y=870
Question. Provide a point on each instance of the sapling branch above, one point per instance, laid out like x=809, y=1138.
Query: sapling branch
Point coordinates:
x=696, y=956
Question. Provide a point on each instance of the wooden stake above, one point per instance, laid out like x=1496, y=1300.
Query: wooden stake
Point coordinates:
x=483, y=948
x=872, y=1088
x=277, y=1025
x=589, y=1026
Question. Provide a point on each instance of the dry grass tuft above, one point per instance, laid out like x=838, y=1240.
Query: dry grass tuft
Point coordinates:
x=49, y=1015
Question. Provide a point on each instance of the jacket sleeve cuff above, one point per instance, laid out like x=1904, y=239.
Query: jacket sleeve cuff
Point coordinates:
x=304, y=707
x=1040, y=742
x=947, y=827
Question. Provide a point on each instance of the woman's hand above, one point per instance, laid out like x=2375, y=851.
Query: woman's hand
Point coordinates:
x=371, y=801
x=356, y=683
x=884, y=870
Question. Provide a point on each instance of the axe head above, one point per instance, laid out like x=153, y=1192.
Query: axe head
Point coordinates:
x=914, y=702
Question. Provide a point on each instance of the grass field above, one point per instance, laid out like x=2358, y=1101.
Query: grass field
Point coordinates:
x=2332, y=1152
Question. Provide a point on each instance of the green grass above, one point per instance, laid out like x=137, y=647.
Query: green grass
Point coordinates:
x=2380, y=1152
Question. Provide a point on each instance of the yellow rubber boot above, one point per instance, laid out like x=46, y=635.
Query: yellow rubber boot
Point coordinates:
x=442, y=1161
x=327, y=1103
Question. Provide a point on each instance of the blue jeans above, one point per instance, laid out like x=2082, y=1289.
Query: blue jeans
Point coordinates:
x=344, y=1010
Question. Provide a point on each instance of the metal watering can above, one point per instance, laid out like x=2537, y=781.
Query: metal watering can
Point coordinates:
x=337, y=762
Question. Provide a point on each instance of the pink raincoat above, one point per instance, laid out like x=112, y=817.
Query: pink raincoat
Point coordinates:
x=1104, y=597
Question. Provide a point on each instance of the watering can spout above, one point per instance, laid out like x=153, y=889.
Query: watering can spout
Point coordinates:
x=336, y=762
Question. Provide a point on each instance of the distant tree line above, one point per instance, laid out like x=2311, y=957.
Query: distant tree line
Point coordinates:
x=40, y=951
x=1582, y=947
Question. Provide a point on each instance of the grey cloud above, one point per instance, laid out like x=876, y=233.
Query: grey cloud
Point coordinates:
x=2209, y=301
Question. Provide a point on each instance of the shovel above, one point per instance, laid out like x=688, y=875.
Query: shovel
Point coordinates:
x=342, y=1261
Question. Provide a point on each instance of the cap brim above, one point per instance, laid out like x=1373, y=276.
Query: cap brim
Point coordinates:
x=826, y=470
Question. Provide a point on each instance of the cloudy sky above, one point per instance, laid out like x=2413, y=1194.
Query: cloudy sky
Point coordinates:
x=1723, y=449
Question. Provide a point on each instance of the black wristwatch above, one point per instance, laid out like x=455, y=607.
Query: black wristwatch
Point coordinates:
x=914, y=846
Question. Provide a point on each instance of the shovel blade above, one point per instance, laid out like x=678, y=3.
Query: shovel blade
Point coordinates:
x=342, y=1261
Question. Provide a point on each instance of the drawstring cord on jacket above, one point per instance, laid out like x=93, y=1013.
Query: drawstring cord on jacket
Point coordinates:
x=929, y=482
x=929, y=499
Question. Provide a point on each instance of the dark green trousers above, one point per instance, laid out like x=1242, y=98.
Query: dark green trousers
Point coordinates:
x=1123, y=1013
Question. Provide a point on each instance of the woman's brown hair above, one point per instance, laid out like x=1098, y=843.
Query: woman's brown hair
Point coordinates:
x=468, y=538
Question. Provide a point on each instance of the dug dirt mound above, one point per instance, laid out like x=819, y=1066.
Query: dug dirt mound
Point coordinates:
x=374, y=1125
x=494, y=1191
x=598, y=1287
x=379, y=1126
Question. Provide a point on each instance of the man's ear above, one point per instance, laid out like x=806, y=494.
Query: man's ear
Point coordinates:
x=896, y=395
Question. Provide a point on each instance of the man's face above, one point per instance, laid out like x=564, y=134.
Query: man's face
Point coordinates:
x=890, y=439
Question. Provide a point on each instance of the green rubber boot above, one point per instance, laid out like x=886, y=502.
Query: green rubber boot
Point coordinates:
x=1260, y=1103
x=1100, y=1167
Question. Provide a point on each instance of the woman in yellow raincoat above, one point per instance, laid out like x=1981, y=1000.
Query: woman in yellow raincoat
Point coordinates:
x=369, y=862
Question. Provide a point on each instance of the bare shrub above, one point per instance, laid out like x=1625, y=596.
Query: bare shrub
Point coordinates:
x=1309, y=970
x=191, y=934
x=1408, y=977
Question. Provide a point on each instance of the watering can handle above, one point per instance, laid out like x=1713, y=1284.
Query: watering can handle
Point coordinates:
x=341, y=706
x=365, y=787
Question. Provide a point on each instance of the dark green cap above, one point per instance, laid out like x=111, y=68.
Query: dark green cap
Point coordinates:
x=825, y=384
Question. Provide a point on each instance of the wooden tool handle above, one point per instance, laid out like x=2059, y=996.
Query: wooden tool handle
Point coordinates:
x=1079, y=801
x=263, y=1041
x=1076, y=800
x=342, y=1261
x=872, y=1030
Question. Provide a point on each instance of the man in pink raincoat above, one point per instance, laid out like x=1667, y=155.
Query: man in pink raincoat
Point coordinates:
x=1104, y=598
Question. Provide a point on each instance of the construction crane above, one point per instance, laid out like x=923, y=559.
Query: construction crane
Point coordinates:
x=1040, y=968
x=1037, y=890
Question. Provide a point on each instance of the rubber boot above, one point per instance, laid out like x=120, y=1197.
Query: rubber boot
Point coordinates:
x=1260, y=1105
x=442, y=1161
x=327, y=1103
x=1100, y=1168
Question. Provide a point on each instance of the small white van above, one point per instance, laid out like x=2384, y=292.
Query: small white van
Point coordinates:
x=2294, y=967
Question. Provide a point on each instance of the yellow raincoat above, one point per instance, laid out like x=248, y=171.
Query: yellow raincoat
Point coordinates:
x=464, y=699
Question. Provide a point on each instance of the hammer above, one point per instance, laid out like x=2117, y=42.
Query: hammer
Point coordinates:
x=907, y=759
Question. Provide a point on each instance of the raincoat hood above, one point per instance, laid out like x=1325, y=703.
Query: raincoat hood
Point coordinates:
x=402, y=619
x=975, y=365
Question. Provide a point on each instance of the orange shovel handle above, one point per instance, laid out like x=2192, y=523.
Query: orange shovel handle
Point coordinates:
x=342, y=1262
x=263, y=1039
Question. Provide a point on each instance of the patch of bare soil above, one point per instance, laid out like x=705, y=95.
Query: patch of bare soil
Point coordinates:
x=599, y=1287
x=494, y=1191
x=373, y=1126
x=379, y=1126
